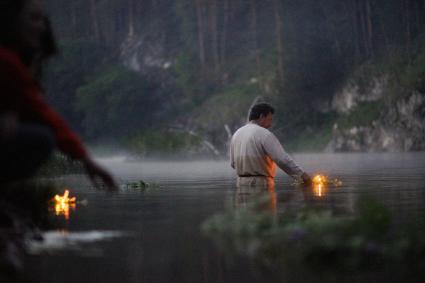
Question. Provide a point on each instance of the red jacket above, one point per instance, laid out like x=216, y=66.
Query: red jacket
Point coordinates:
x=20, y=94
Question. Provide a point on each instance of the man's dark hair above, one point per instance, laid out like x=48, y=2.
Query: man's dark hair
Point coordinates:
x=10, y=11
x=260, y=109
x=9, y=16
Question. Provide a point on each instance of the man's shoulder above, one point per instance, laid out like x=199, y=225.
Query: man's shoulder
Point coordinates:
x=252, y=130
x=246, y=127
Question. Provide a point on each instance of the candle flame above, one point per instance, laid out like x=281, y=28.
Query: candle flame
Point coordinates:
x=320, y=184
x=320, y=180
x=63, y=204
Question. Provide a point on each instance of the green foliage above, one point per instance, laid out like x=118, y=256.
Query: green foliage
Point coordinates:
x=362, y=115
x=82, y=55
x=161, y=143
x=187, y=28
x=229, y=106
x=116, y=102
x=77, y=61
x=187, y=79
x=317, y=237
x=310, y=140
x=322, y=48
x=413, y=78
x=404, y=68
x=374, y=219
x=363, y=76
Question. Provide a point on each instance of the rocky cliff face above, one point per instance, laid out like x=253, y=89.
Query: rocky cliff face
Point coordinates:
x=144, y=55
x=401, y=127
x=347, y=99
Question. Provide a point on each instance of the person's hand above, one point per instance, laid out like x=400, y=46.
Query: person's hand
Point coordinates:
x=99, y=176
x=306, y=179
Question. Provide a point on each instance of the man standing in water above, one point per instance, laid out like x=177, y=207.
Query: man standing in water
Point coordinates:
x=255, y=151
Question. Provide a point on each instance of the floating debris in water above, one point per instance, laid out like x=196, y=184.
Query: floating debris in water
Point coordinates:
x=337, y=183
x=141, y=185
x=53, y=242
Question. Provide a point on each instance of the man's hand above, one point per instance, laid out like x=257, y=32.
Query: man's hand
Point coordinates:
x=99, y=176
x=306, y=179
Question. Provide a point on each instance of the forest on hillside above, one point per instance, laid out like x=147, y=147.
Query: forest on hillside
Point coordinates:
x=168, y=75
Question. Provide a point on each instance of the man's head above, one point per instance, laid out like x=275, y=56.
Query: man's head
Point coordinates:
x=25, y=27
x=262, y=114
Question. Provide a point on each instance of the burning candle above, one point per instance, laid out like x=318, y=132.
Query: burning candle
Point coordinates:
x=320, y=184
x=63, y=204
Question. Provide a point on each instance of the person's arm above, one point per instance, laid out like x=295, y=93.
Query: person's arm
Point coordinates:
x=69, y=142
x=306, y=179
x=22, y=95
x=284, y=161
x=21, y=91
x=98, y=175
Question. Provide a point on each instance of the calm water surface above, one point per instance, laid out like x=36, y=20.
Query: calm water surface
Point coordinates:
x=154, y=235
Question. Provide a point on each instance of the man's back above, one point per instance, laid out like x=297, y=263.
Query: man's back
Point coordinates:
x=255, y=151
x=247, y=152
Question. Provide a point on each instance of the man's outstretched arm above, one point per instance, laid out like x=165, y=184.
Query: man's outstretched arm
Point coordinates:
x=283, y=160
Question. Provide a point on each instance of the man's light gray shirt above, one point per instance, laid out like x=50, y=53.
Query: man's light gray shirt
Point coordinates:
x=255, y=151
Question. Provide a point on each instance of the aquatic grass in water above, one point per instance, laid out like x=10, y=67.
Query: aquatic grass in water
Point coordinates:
x=318, y=238
x=140, y=185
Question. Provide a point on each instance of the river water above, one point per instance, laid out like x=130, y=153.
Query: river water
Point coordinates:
x=154, y=235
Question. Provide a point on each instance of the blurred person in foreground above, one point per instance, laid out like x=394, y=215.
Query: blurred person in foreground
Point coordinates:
x=29, y=128
x=255, y=151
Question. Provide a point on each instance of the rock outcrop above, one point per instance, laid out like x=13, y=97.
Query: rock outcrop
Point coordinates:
x=143, y=55
x=352, y=94
x=401, y=127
